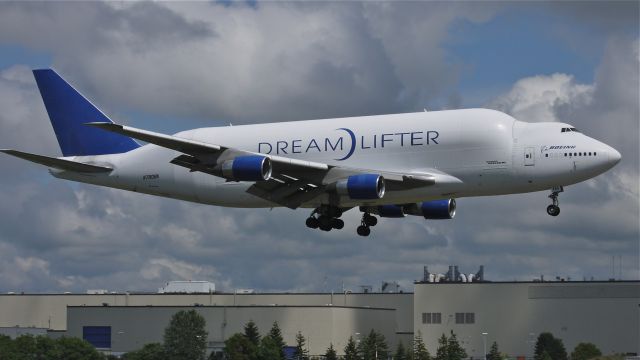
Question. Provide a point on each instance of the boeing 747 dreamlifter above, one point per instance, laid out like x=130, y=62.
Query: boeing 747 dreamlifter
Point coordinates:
x=386, y=165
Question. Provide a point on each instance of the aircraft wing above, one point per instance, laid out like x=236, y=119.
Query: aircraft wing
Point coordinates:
x=292, y=181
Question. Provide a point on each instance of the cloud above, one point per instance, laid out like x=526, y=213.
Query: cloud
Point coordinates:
x=537, y=98
x=272, y=62
x=282, y=61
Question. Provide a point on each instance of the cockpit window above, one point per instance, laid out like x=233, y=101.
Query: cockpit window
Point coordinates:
x=569, y=130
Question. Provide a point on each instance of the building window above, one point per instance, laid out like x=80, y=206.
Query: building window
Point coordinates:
x=437, y=318
x=98, y=336
x=459, y=318
x=470, y=318
x=431, y=318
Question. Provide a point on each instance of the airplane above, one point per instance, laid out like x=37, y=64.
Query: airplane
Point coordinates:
x=389, y=166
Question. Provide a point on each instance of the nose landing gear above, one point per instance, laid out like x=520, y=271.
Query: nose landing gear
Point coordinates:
x=554, y=209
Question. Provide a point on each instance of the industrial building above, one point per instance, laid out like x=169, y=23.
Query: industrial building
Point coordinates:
x=511, y=313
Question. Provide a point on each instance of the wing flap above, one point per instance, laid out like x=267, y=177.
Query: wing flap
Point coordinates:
x=57, y=163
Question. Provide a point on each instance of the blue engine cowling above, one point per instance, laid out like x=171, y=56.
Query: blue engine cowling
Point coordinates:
x=363, y=186
x=247, y=168
x=438, y=209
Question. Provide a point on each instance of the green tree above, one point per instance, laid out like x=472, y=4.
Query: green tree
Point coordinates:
x=585, y=351
x=300, y=353
x=553, y=346
x=238, y=347
x=6, y=345
x=443, y=348
x=43, y=347
x=454, y=350
x=252, y=333
x=351, y=350
x=276, y=335
x=69, y=348
x=494, y=353
x=152, y=351
x=420, y=351
x=268, y=349
x=374, y=346
x=185, y=338
x=330, y=354
x=400, y=354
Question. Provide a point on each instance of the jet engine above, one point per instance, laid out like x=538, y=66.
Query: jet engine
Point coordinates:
x=248, y=168
x=363, y=186
x=437, y=209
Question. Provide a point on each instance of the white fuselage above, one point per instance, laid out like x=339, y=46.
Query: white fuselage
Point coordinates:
x=486, y=152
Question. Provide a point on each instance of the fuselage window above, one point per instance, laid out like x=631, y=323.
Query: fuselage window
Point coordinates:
x=594, y=154
x=589, y=154
x=575, y=154
x=546, y=155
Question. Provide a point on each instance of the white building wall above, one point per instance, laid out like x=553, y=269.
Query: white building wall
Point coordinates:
x=513, y=314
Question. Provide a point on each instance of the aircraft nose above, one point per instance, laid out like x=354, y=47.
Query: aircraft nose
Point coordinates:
x=614, y=156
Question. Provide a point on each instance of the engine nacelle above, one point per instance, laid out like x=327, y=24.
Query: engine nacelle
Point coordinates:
x=438, y=209
x=247, y=168
x=363, y=186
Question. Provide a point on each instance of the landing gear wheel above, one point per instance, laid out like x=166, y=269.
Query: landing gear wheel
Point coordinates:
x=312, y=222
x=325, y=223
x=363, y=230
x=337, y=224
x=369, y=220
x=553, y=210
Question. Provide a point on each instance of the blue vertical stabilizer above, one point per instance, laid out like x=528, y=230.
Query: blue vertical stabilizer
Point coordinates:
x=68, y=111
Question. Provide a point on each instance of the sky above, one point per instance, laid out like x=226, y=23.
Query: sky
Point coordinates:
x=171, y=66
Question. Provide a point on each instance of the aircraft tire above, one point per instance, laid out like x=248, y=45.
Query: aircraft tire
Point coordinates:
x=363, y=230
x=312, y=222
x=553, y=210
x=370, y=220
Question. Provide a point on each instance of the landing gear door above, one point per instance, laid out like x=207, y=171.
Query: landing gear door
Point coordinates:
x=529, y=156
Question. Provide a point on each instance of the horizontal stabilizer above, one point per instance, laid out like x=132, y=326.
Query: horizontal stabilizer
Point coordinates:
x=56, y=163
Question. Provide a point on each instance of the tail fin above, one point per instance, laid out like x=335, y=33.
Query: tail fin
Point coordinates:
x=68, y=111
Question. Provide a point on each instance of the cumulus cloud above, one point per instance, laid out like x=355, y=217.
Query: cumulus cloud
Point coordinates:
x=285, y=61
x=537, y=98
x=272, y=62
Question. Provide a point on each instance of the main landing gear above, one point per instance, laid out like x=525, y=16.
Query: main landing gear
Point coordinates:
x=554, y=209
x=367, y=222
x=327, y=218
